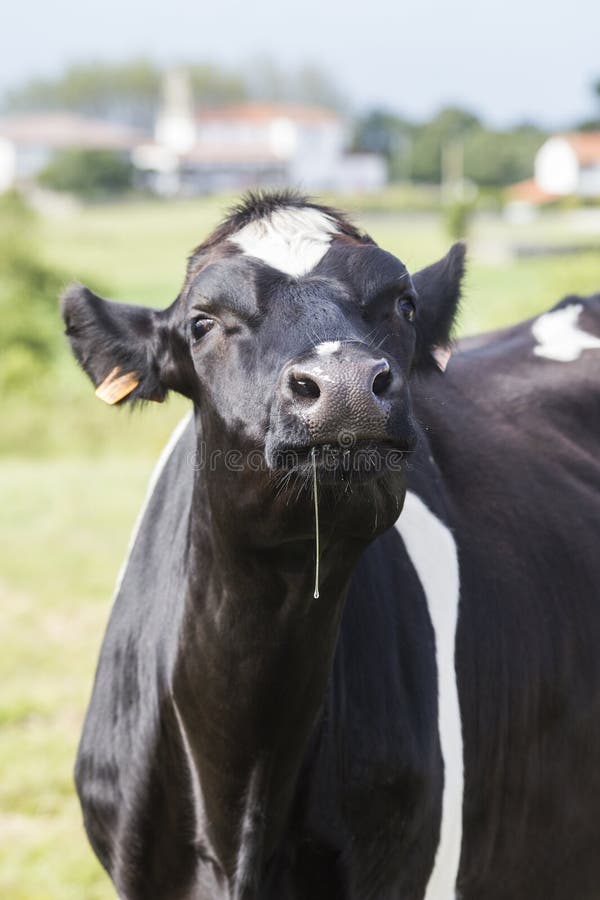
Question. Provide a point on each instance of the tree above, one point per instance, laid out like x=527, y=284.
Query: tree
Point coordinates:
x=493, y=158
x=212, y=85
x=311, y=84
x=592, y=124
x=131, y=91
x=380, y=131
x=449, y=124
x=265, y=79
x=120, y=91
x=127, y=92
x=90, y=173
x=30, y=336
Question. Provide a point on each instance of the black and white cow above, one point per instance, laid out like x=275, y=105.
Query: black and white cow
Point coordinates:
x=429, y=725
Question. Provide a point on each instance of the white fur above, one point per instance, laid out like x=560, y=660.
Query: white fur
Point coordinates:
x=432, y=550
x=323, y=376
x=156, y=473
x=559, y=337
x=289, y=239
x=327, y=348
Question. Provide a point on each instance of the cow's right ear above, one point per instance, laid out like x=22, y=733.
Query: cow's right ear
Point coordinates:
x=438, y=289
x=121, y=347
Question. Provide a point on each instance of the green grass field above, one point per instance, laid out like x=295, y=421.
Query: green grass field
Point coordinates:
x=73, y=474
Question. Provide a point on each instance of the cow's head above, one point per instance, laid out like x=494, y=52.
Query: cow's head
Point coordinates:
x=293, y=331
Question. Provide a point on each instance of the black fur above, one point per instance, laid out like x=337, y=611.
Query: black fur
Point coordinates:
x=247, y=740
x=438, y=286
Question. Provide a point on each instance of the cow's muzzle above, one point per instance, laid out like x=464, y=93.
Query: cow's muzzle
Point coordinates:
x=346, y=392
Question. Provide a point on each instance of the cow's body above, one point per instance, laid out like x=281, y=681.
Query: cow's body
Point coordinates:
x=506, y=480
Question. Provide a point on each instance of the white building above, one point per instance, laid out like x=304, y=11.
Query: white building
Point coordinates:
x=569, y=164
x=229, y=148
x=28, y=142
x=249, y=144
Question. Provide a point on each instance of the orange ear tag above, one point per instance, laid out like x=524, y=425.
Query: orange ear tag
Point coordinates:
x=115, y=386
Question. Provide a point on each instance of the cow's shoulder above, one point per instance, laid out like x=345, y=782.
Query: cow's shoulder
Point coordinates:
x=539, y=377
x=513, y=428
x=123, y=735
x=147, y=594
x=161, y=527
x=569, y=332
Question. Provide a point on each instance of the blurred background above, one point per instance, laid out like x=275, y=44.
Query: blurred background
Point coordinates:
x=126, y=129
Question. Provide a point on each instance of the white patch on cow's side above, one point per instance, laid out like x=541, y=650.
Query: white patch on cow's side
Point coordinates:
x=327, y=348
x=289, y=239
x=432, y=551
x=559, y=336
x=156, y=473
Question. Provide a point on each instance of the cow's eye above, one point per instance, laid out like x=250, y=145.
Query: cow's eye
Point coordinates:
x=407, y=308
x=201, y=326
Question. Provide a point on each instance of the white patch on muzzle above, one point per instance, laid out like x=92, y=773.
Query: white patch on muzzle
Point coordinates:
x=326, y=348
x=291, y=240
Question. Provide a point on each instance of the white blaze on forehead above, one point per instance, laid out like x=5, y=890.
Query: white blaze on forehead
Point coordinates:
x=289, y=239
x=433, y=553
x=559, y=336
x=327, y=348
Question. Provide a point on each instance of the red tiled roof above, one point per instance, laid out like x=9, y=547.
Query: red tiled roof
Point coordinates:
x=263, y=112
x=64, y=129
x=528, y=192
x=586, y=145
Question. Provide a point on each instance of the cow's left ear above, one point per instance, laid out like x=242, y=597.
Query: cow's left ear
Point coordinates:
x=124, y=349
x=438, y=289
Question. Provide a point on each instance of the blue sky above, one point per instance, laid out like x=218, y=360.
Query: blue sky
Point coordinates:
x=509, y=61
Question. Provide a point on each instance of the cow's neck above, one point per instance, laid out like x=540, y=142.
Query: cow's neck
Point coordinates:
x=252, y=671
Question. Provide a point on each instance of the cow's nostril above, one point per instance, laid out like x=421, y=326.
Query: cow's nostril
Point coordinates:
x=305, y=387
x=382, y=380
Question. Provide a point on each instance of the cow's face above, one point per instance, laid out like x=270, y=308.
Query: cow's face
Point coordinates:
x=296, y=337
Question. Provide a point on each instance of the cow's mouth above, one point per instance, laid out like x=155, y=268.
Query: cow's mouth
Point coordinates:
x=362, y=461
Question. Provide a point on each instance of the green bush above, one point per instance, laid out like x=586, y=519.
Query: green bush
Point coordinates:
x=93, y=174
x=501, y=157
x=489, y=158
x=457, y=218
x=30, y=329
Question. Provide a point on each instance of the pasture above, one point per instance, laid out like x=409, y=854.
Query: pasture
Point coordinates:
x=73, y=474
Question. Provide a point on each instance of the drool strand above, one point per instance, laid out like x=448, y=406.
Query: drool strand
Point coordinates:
x=316, y=498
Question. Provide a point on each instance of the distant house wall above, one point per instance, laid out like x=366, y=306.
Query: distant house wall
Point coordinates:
x=240, y=133
x=231, y=148
x=317, y=156
x=556, y=167
x=28, y=142
x=362, y=172
x=212, y=178
x=8, y=164
x=277, y=144
x=589, y=181
x=31, y=160
x=21, y=162
x=569, y=164
x=311, y=150
x=175, y=132
x=175, y=128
